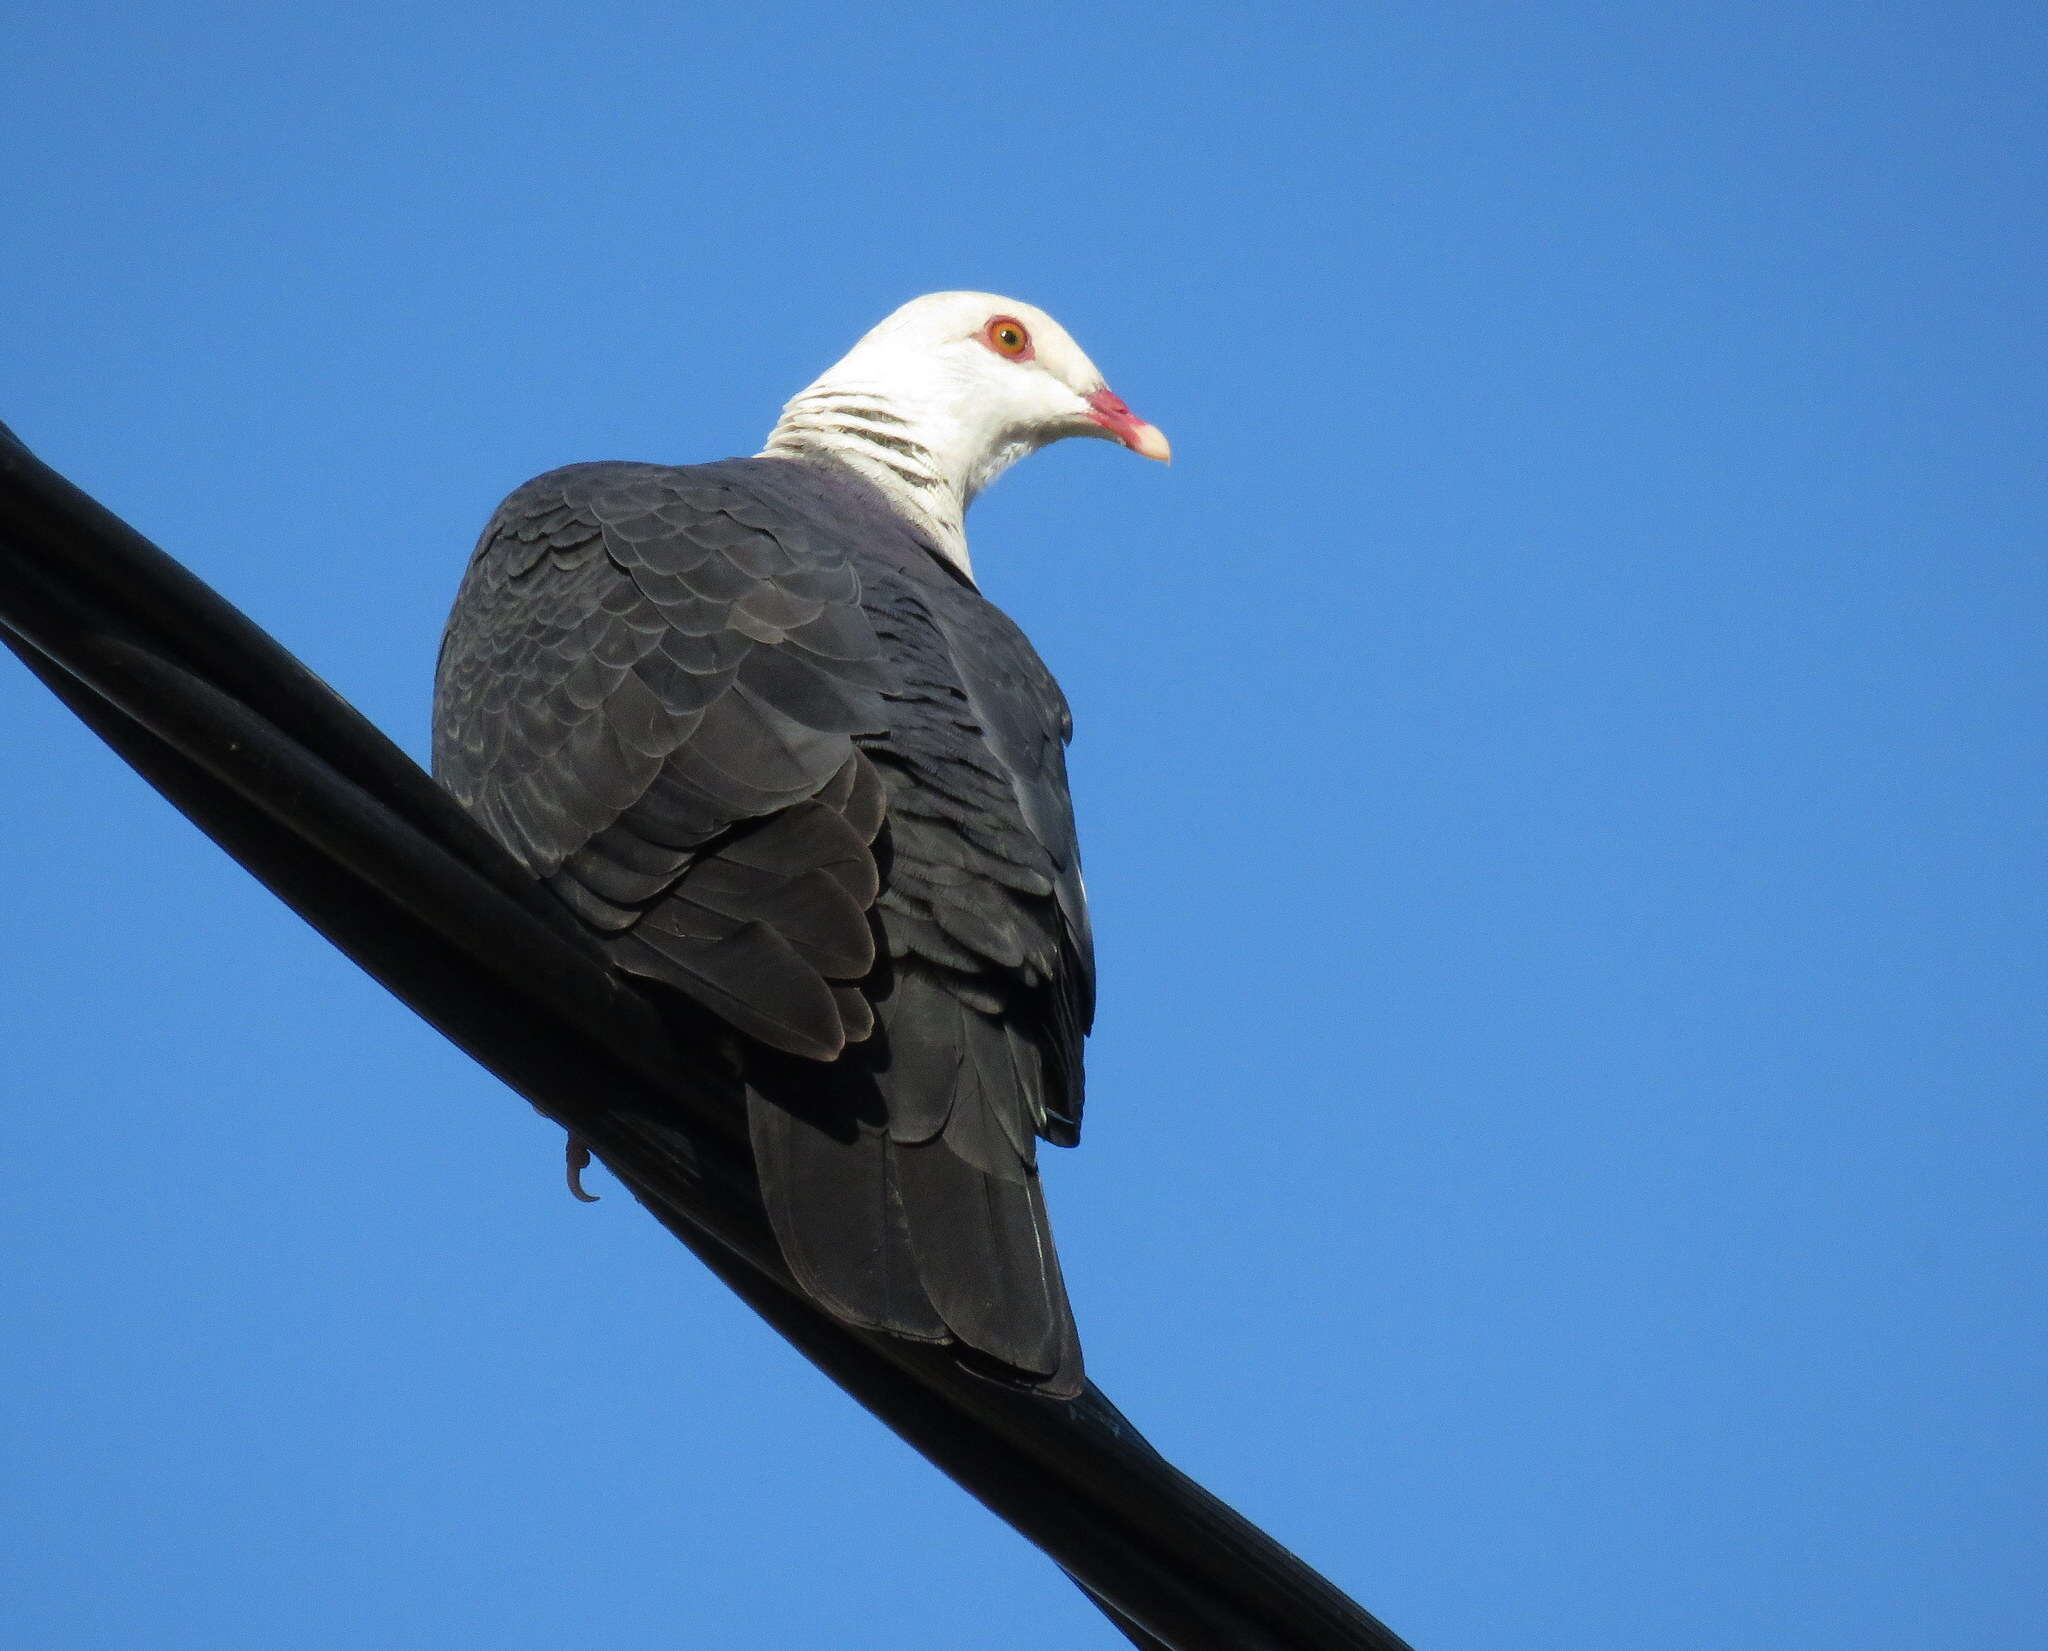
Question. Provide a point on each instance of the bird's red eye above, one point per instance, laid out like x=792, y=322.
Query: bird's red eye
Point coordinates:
x=1006, y=336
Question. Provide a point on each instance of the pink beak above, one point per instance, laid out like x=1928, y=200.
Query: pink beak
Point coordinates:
x=1108, y=410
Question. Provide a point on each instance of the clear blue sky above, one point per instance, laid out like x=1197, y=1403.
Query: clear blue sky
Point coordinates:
x=1559, y=763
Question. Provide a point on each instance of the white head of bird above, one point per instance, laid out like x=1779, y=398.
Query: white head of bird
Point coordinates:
x=944, y=396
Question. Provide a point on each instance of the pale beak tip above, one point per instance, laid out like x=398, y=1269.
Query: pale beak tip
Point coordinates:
x=1149, y=441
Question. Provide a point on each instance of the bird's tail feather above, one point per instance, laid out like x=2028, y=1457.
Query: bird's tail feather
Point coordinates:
x=911, y=1238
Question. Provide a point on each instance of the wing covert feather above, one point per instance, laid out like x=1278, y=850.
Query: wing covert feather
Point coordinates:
x=649, y=691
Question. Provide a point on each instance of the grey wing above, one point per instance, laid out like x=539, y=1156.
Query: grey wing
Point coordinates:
x=985, y=888
x=982, y=1001
x=648, y=691
x=1028, y=726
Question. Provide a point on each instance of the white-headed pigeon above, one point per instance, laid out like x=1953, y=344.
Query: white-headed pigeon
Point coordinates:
x=755, y=726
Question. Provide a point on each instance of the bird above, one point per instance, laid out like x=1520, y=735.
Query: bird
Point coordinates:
x=755, y=725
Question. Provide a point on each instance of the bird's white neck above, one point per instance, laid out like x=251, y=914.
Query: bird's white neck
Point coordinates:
x=928, y=466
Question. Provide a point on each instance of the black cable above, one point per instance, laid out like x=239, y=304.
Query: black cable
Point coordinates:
x=335, y=820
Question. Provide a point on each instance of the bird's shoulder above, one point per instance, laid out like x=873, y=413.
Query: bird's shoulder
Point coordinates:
x=649, y=691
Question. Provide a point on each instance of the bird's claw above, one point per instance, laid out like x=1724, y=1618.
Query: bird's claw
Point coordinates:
x=579, y=1161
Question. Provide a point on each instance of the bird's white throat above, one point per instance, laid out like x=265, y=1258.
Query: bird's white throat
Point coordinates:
x=929, y=468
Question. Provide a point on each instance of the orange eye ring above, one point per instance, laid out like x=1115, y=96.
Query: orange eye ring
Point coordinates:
x=1007, y=336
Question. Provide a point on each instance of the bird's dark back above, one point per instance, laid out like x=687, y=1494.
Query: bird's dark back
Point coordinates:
x=781, y=757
